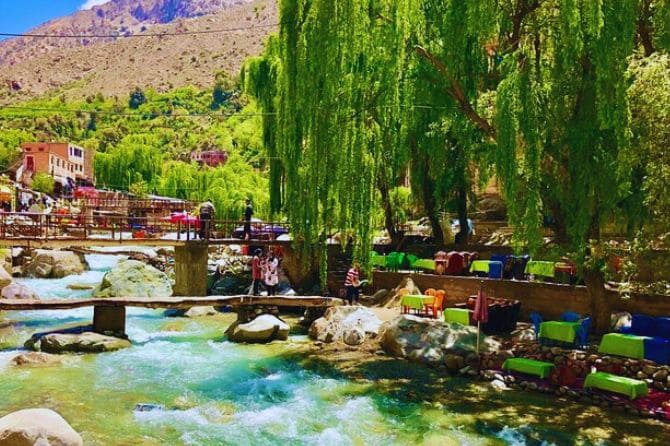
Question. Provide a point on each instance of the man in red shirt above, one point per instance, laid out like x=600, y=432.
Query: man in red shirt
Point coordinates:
x=256, y=272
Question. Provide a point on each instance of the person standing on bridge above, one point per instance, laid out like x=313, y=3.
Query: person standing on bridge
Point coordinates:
x=206, y=214
x=256, y=272
x=271, y=274
x=248, y=212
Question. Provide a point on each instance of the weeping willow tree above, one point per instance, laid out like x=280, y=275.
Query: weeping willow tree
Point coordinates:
x=135, y=158
x=227, y=186
x=334, y=78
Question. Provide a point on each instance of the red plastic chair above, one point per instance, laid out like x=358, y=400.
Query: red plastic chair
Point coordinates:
x=455, y=264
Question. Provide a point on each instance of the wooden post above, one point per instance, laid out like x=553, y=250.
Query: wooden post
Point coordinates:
x=109, y=320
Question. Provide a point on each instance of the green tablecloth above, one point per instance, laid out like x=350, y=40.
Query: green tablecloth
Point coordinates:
x=480, y=266
x=619, y=384
x=416, y=301
x=459, y=315
x=559, y=331
x=537, y=268
x=427, y=264
x=529, y=366
x=619, y=344
x=378, y=260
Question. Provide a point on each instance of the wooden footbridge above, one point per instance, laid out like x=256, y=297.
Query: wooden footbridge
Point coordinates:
x=109, y=314
x=20, y=229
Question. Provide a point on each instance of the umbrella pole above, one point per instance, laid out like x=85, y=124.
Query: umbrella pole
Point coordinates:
x=478, y=332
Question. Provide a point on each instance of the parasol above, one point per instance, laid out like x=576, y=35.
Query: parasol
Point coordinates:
x=481, y=313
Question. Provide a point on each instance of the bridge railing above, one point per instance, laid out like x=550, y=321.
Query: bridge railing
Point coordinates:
x=26, y=225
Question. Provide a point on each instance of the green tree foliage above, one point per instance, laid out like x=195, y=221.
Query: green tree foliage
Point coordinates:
x=133, y=147
x=43, y=183
x=136, y=99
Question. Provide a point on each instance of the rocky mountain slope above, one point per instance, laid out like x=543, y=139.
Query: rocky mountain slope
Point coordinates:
x=78, y=67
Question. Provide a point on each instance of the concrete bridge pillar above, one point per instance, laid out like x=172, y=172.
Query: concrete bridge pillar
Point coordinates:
x=190, y=263
x=109, y=320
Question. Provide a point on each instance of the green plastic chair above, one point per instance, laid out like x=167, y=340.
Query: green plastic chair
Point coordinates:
x=411, y=261
x=394, y=261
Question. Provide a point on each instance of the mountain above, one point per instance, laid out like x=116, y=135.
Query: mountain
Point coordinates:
x=82, y=66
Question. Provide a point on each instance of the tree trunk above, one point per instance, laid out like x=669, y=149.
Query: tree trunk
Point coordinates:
x=383, y=187
x=462, y=208
x=601, y=310
x=430, y=207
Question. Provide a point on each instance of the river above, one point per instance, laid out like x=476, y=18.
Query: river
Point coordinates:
x=202, y=390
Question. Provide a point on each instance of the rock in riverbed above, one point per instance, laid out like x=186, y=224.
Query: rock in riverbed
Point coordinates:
x=37, y=427
x=36, y=358
x=432, y=341
x=18, y=291
x=136, y=279
x=347, y=322
x=51, y=264
x=86, y=342
x=264, y=328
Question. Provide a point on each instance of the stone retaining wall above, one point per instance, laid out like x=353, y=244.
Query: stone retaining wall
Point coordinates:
x=549, y=299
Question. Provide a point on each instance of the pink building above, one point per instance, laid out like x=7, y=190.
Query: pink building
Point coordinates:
x=212, y=158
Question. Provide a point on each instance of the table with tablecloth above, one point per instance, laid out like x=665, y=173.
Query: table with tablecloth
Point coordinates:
x=540, y=369
x=416, y=301
x=559, y=331
x=630, y=346
x=630, y=387
x=458, y=315
x=427, y=264
x=480, y=266
x=540, y=268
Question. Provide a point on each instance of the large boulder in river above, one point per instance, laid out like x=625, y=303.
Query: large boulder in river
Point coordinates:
x=37, y=427
x=264, y=328
x=85, y=342
x=18, y=291
x=132, y=278
x=36, y=359
x=432, y=341
x=345, y=322
x=51, y=264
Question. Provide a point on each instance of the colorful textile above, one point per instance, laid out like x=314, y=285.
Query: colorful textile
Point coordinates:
x=630, y=387
x=630, y=346
x=416, y=301
x=543, y=269
x=458, y=315
x=559, y=331
x=480, y=266
x=529, y=366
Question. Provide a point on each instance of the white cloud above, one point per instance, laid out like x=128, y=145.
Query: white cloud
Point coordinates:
x=88, y=4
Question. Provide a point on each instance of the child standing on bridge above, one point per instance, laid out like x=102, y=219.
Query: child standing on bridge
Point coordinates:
x=271, y=274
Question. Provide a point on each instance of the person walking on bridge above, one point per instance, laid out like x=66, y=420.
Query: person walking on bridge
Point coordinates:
x=248, y=212
x=207, y=211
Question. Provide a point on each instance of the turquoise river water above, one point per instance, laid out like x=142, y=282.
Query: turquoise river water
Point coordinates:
x=208, y=391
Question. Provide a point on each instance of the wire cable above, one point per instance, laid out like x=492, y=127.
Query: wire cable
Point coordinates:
x=163, y=34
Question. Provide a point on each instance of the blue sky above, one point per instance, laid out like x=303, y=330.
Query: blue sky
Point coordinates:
x=18, y=16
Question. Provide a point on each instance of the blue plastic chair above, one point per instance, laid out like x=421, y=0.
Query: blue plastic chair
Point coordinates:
x=657, y=350
x=495, y=270
x=662, y=327
x=643, y=325
x=583, y=332
x=570, y=316
x=536, y=320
